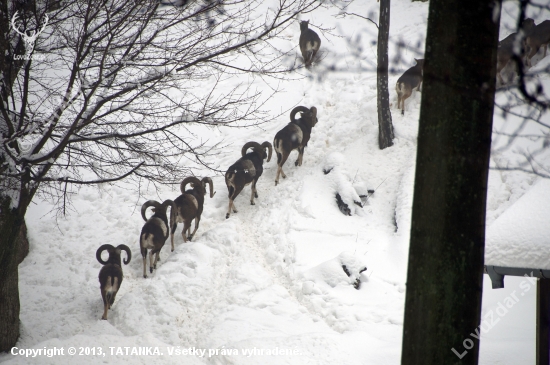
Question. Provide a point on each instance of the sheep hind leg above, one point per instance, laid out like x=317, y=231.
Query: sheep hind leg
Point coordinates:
x=279, y=169
x=157, y=258
x=398, y=92
x=253, y=193
x=197, y=221
x=172, y=231
x=105, y=307
x=144, y=255
x=309, y=58
x=408, y=92
x=281, y=173
x=399, y=100
x=113, y=293
x=300, y=157
x=145, y=267
x=151, y=261
x=314, y=53
x=282, y=156
x=186, y=226
x=229, y=208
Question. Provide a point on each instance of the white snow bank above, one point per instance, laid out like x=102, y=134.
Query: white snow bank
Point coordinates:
x=332, y=272
x=520, y=237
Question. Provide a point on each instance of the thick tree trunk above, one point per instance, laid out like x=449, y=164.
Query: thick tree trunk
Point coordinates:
x=10, y=225
x=444, y=279
x=13, y=243
x=385, y=126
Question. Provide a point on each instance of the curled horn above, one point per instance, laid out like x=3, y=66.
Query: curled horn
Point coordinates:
x=247, y=145
x=147, y=204
x=297, y=110
x=208, y=180
x=100, y=250
x=313, y=115
x=267, y=145
x=193, y=180
x=128, y=253
x=168, y=203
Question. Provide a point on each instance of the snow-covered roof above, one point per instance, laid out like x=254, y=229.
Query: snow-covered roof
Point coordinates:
x=520, y=237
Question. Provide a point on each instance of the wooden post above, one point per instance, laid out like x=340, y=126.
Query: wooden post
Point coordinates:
x=543, y=321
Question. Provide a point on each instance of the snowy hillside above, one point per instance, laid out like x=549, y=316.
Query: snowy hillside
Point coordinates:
x=266, y=286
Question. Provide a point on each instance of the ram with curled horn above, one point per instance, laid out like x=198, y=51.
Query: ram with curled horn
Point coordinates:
x=246, y=170
x=110, y=275
x=295, y=135
x=154, y=232
x=188, y=206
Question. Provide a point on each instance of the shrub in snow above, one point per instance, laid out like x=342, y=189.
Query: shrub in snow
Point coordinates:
x=348, y=200
x=344, y=269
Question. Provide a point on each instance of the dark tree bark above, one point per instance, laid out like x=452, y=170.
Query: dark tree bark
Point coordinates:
x=22, y=243
x=10, y=223
x=444, y=279
x=13, y=241
x=12, y=252
x=385, y=126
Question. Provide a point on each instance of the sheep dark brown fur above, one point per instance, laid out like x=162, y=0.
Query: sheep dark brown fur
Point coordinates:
x=295, y=135
x=189, y=206
x=110, y=275
x=246, y=170
x=154, y=232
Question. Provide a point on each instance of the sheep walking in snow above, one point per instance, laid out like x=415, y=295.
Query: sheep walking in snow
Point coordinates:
x=189, y=206
x=412, y=78
x=309, y=43
x=295, y=135
x=110, y=275
x=154, y=232
x=246, y=170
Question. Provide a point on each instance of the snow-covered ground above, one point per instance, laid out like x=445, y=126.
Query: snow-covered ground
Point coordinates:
x=266, y=286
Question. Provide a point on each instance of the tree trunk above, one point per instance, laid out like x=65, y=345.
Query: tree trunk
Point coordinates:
x=444, y=279
x=10, y=225
x=13, y=242
x=22, y=243
x=385, y=127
